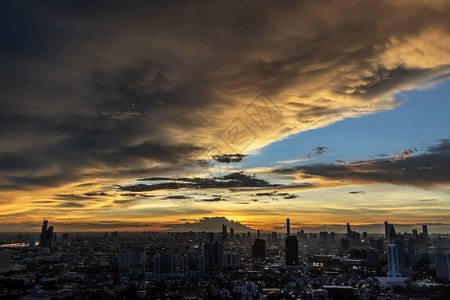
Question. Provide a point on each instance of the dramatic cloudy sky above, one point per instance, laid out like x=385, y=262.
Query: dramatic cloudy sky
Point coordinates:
x=164, y=115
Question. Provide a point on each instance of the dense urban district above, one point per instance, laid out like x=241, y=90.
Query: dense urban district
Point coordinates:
x=225, y=265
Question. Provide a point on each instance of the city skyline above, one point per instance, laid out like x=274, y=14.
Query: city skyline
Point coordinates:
x=170, y=117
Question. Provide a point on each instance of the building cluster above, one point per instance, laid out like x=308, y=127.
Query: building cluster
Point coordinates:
x=225, y=265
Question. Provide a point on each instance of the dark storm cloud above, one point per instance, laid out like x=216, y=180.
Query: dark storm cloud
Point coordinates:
x=101, y=89
x=229, y=158
x=213, y=224
x=232, y=180
x=216, y=199
x=425, y=170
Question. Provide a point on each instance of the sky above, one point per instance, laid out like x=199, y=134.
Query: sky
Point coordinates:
x=186, y=115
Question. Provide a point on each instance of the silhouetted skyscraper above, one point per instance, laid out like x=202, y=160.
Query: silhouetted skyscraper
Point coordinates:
x=291, y=250
x=274, y=236
x=214, y=252
x=425, y=232
x=258, y=234
x=386, y=230
x=224, y=232
x=411, y=254
x=288, y=227
x=401, y=251
x=323, y=236
x=231, y=234
x=46, y=237
x=390, y=233
x=259, y=248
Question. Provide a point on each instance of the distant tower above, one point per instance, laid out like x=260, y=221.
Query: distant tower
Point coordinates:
x=393, y=264
x=386, y=231
x=224, y=232
x=231, y=234
x=291, y=251
x=349, y=230
x=411, y=254
x=288, y=226
x=46, y=237
x=258, y=234
x=425, y=232
x=43, y=235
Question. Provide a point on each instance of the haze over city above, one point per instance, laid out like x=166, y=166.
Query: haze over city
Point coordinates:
x=179, y=116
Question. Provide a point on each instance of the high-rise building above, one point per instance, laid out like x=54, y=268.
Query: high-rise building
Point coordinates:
x=411, y=254
x=259, y=248
x=393, y=264
x=332, y=237
x=133, y=262
x=425, y=232
x=323, y=236
x=5, y=261
x=291, y=250
x=288, y=227
x=443, y=266
x=258, y=234
x=401, y=251
x=214, y=254
x=389, y=231
x=349, y=231
x=386, y=230
x=274, y=236
x=210, y=237
x=46, y=236
x=185, y=264
x=231, y=234
x=43, y=235
x=224, y=232
x=372, y=257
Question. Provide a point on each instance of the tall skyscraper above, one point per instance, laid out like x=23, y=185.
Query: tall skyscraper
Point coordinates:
x=288, y=227
x=46, y=236
x=231, y=234
x=443, y=266
x=401, y=251
x=389, y=231
x=386, y=231
x=349, y=231
x=291, y=250
x=224, y=232
x=425, y=232
x=411, y=254
x=259, y=248
x=214, y=254
x=393, y=264
x=258, y=234
x=323, y=236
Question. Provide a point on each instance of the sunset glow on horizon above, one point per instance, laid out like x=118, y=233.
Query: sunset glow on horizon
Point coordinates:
x=170, y=116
